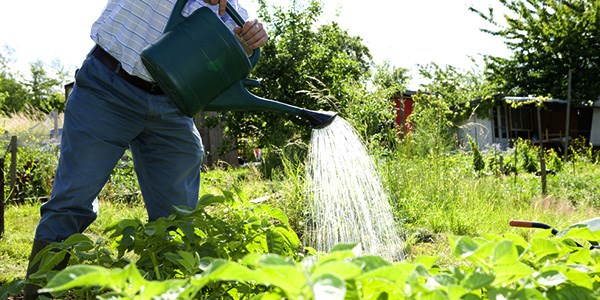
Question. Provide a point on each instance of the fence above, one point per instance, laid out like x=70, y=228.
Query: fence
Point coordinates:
x=44, y=135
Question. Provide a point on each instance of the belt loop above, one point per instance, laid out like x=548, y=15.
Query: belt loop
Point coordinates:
x=118, y=68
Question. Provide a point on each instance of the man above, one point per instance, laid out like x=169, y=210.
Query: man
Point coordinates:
x=115, y=105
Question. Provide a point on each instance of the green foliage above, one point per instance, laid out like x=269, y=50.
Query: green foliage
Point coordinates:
x=495, y=162
x=434, y=131
x=37, y=95
x=46, y=93
x=34, y=172
x=523, y=158
x=478, y=161
x=507, y=267
x=11, y=288
x=179, y=246
x=12, y=90
x=122, y=184
x=553, y=161
x=300, y=51
x=581, y=149
x=447, y=102
x=459, y=89
x=547, y=39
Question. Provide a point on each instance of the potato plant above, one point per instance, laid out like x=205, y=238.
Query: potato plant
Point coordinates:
x=228, y=248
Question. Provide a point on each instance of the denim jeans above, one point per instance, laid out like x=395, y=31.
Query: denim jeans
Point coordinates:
x=104, y=116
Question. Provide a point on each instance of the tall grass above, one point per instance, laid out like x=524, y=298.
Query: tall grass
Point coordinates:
x=439, y=195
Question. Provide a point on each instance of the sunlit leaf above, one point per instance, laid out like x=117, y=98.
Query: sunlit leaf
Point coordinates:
x=329, y=287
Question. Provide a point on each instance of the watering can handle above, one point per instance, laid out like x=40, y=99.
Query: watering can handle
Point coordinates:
x=240, y=22
x=176, y=18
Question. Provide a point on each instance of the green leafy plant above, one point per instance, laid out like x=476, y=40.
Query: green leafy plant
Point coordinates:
x=34, y=172
x=507, y=267
x=122, y=184
x=221, y=227
x=478, y=161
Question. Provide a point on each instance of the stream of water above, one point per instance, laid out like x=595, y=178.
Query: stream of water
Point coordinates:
x=347, y=202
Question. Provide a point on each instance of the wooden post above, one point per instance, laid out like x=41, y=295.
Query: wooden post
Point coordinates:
x=567, y=134
x=54, y=115
x=542, y=158
x=13, y=166
x=213, y=139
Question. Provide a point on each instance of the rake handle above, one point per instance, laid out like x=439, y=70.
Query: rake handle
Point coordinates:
x=529, y=224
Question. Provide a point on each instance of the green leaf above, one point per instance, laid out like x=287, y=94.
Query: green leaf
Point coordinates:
x=207, y=200
x=371, y=262
x=465, y=246
x=187, y=261
x=52, y=259
x=576, y=274
x=274, y=213
x=477, y=280
x=582, y=257
x=282, y=240
x=571, y=292
x=506, y=274
x=505, y=253
x=427, y=261
x=395, y=274
x=345, y=247
x=521, y=294
x=550, y=278
x=77, y=238
x=80, y=275
x=341, y=268
x=291, y=279
x=456, y=291
x=270, y=270
x=273, y=260
x=544, y=249
x=329, y=287
x=188, y=230
x=183, y=210
x=582, y=232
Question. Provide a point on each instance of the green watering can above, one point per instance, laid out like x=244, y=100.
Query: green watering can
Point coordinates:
x=201, y=66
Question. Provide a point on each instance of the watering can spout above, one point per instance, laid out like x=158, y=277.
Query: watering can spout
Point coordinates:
x=318, y=119
x=237, y=98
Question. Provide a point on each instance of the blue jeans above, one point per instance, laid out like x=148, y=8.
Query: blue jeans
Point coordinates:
x=104, y=116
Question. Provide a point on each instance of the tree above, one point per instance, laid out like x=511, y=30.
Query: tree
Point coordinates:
x=12, y=92
x=45, y=91
x=445, y=105
x=548, y=38
x=300, y=53
x=36, y=96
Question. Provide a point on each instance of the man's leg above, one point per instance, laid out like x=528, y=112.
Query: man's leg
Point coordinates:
x=101, y=117
x=168, y=157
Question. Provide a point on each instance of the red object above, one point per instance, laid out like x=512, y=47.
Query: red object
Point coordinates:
x=404, y=107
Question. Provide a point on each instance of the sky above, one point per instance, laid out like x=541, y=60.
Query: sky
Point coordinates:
x=407, y=33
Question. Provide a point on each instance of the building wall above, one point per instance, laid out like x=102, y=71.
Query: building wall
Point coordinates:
x=595, y=133
x=480, y=131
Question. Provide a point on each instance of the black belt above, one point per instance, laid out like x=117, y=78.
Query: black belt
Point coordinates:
x=115, y=66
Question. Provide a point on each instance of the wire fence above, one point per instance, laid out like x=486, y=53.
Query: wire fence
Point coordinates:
x=43, y=137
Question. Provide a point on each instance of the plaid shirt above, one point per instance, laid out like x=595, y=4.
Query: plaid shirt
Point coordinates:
x=126, y=27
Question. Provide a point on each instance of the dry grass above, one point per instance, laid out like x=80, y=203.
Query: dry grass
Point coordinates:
x=22, y=122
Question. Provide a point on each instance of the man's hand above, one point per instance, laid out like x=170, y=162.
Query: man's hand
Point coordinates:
x=252, y=35
x=222, y=5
